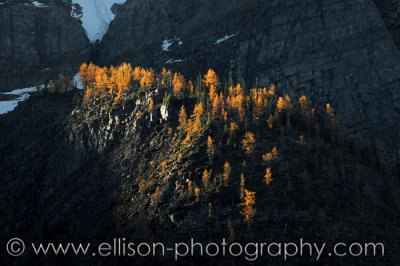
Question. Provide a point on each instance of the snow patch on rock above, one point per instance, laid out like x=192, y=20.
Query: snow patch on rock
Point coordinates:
x=173, y=61
x=38, y=4
x=23, y=95
x=78, y=82
x=96, y=16
x=166, y=44
x=225, y=38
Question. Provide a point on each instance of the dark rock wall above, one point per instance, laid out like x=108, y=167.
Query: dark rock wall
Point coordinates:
x=36, y=44
x=390, y=11
x=336, y=51
x=339, y=51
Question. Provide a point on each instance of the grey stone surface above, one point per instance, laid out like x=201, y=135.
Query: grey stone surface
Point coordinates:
x=37, y=44
x=335, y=51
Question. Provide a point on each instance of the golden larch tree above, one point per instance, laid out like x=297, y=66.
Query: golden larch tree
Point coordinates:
x=83, y=74
x=182, y=119
x=178, y=84
x=180, y=156
x=288, y=103
x=91, y=74
x=156, y=196
x=269, y=156
x=242, y=186
x=88, y=94
x=211, y=78
x=147, y=78
x=210, y=148
x=197, y=193
x=205, y=179
x=137, y=73
x=236, y=100
x=280, y=105
x=303, y=105
x=151, y=104
x=248, y=142
x=166, y=75
x=197, y=115
x=191, y=87
x=190, y=187
x=102, y=78
x=163, y=168
x=258, y=99
x=270, y=121
x=227, y=173
x=268, y=176
x=329, y=110
x=233, y=127
x=112, y=79
x=272, y=90
x=124, y=76
x=249, y=211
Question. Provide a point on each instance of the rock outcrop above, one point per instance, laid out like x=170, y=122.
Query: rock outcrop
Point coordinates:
x=341, y=52
x=39, y=42
x=74, y=172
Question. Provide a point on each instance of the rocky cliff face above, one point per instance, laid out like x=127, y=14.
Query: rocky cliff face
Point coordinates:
x=337, y=51
x=390, y=11
x=38, y=42
x=343, y=52
x=89, y=172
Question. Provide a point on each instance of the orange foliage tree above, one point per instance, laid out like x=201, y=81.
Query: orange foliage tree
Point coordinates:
x=280, y=105
x=236, y=100
x=303, y=105
x=268, y=176
x=211, y=78
x=197, y=193
x=194, y=124
x=102, y=81
x=259, y=100
x=249, y=211
x=210, y=148
x=248, y=142
x=227, y=173
x=329, y=110
x=83, y=74
x=147, y=78
x=166, y=75
x=242, y=186
x=178, y=84
x=182, y=119
x=206, y=179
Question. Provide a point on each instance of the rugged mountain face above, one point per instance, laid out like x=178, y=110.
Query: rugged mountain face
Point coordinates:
x=337, y=51
x=390, y=10
x=343, y=52
x=38, y=42
x=88, y=172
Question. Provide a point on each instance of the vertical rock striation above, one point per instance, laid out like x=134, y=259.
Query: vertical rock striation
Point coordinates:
x=38, y=42
x=337, y=51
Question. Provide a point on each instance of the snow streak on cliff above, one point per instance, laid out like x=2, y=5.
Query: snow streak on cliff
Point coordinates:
x=97, y=16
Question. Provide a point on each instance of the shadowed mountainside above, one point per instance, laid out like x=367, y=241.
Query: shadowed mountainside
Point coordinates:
x=336, y=51
x=123, y=166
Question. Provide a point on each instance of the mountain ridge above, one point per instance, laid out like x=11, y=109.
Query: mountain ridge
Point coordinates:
x=121, y=166
x=341, y=52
